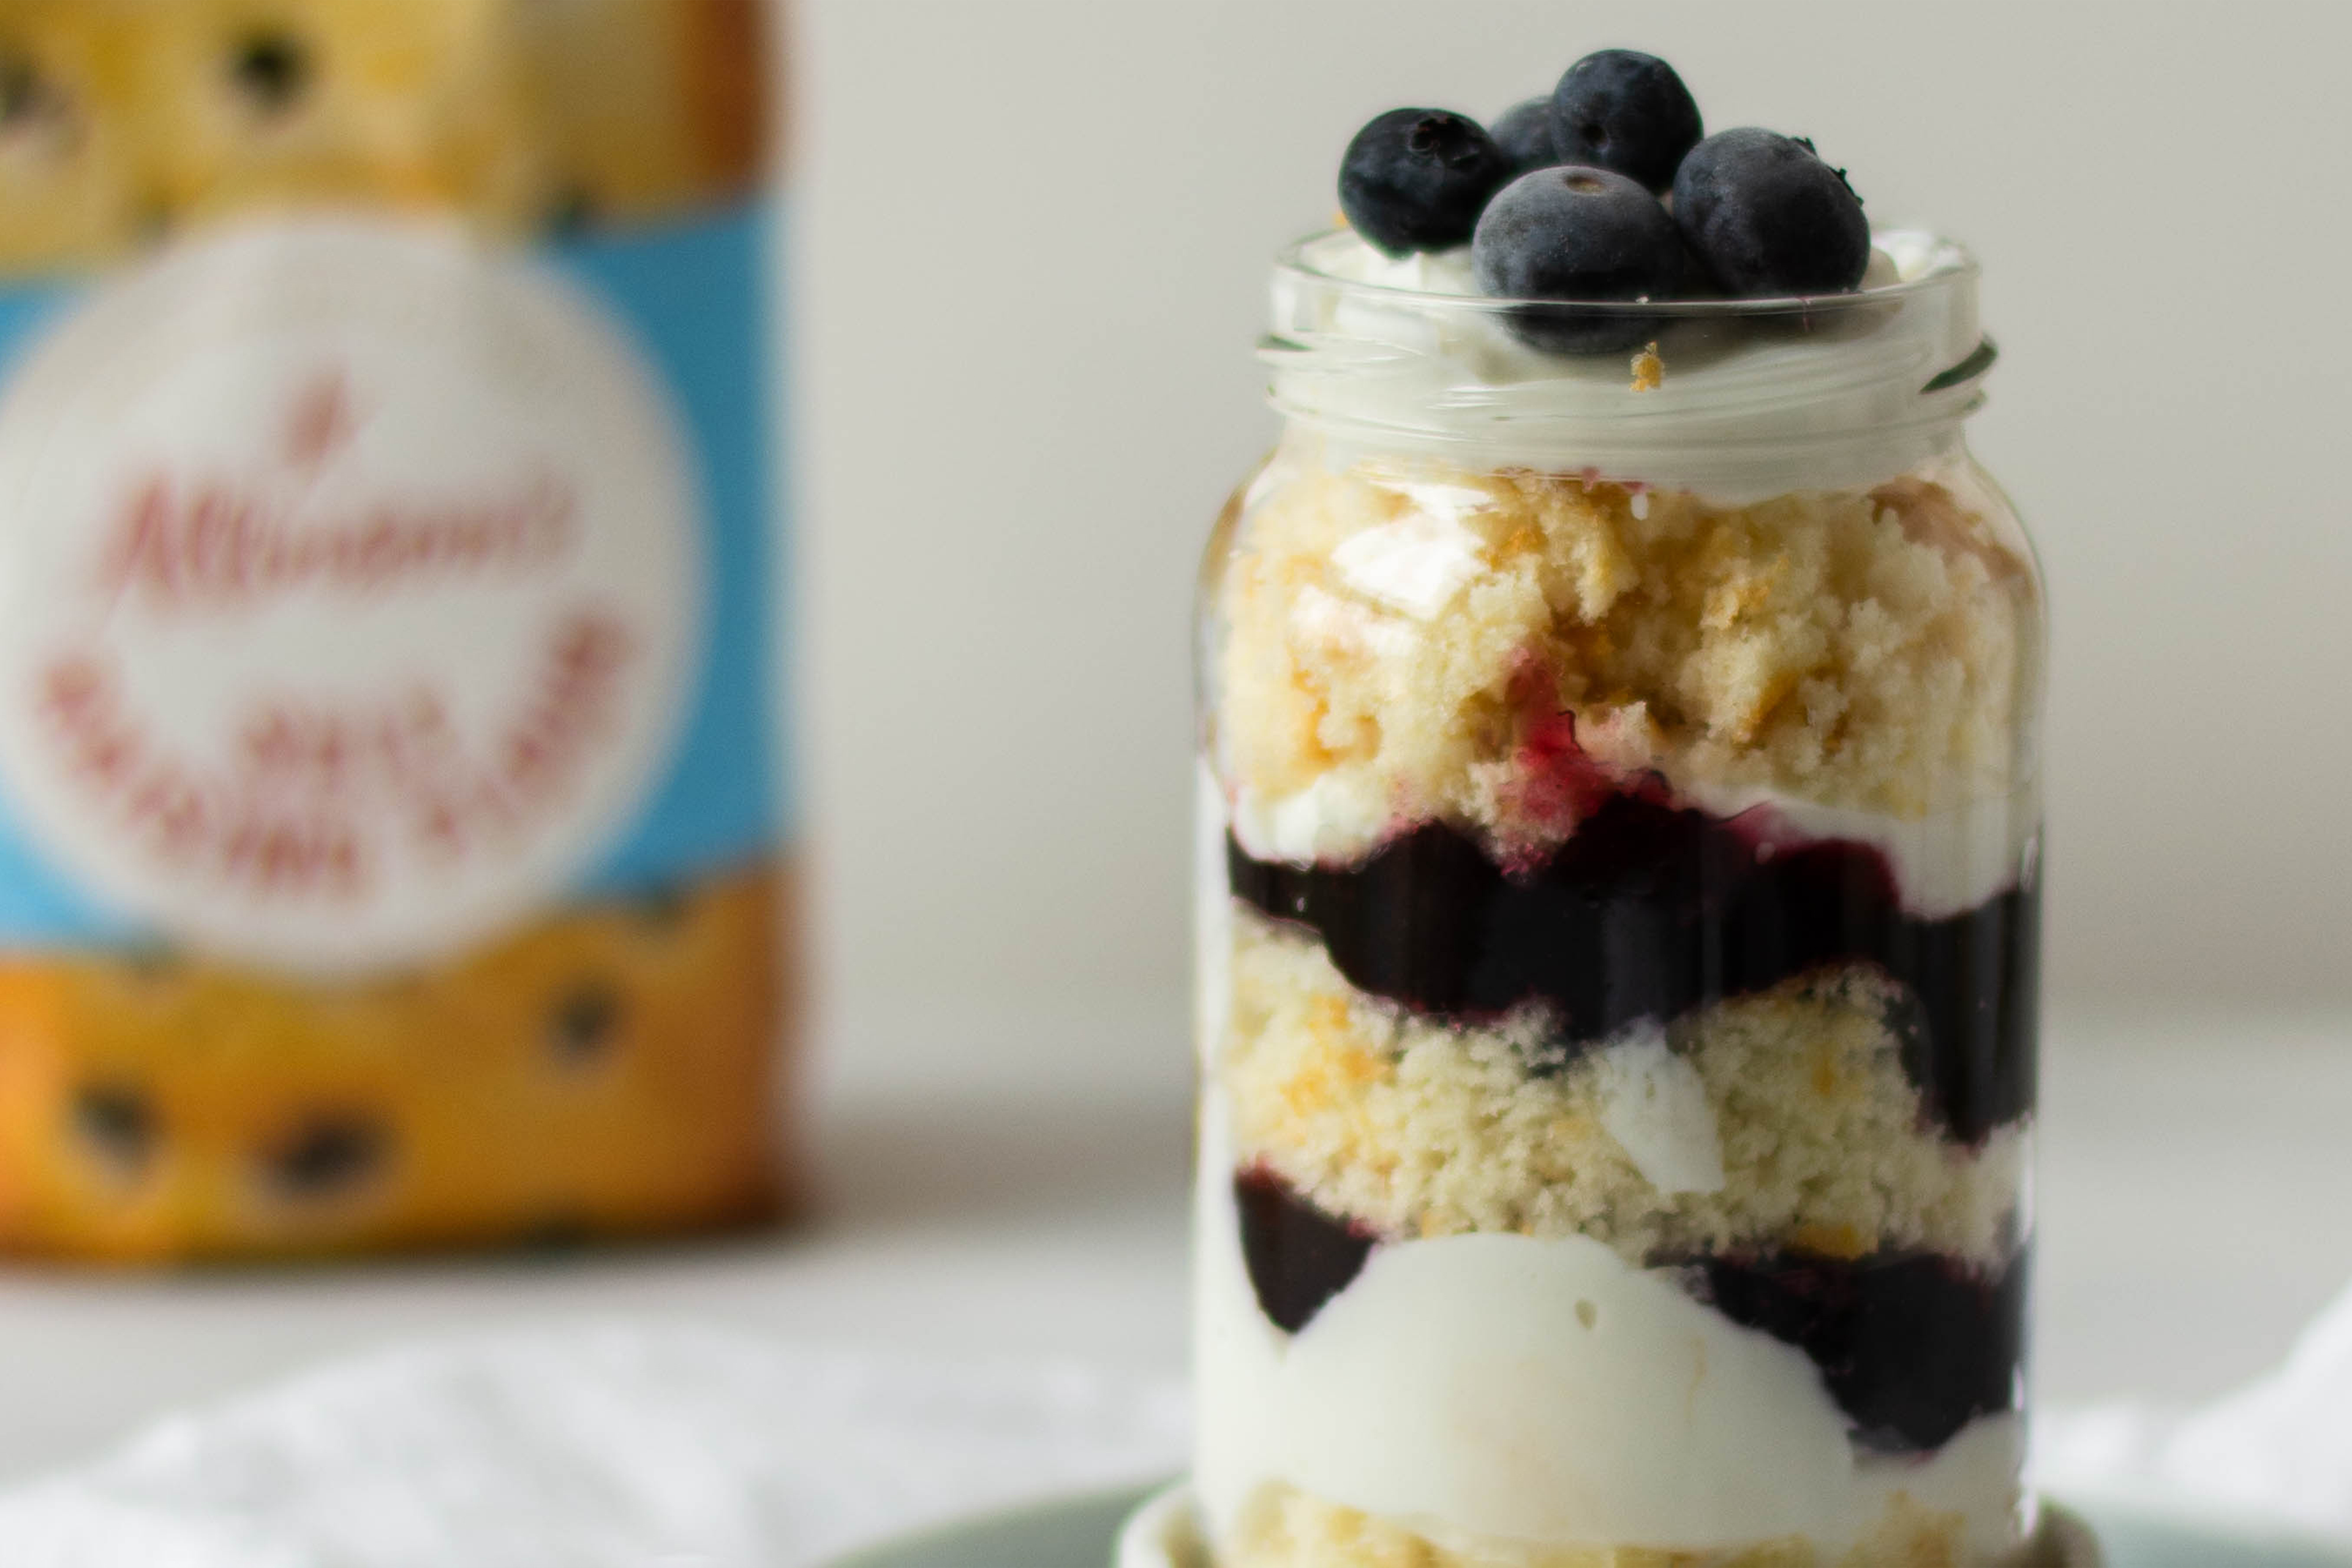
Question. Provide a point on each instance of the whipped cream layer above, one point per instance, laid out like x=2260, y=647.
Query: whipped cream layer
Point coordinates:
x=1499, y=1390
x=1212, y=918
x=1757, y=400
x=1943, y=865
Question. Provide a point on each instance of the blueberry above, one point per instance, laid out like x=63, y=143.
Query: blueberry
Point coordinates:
x=1298, y=1257
x=572, y=213
x=329, y=1156
x=1912, y=1347
x=1524, y=134
x=1579, y=233
x=272, y=69
x=1768, y=218
x=1627, y=111
x=120, y=1125
x=1417, y=179
x=557, y=1235
x=664, y=908
x=586, y=1024
x=22, y=90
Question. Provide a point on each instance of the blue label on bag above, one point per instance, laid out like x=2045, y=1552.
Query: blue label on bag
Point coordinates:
x=365, y=591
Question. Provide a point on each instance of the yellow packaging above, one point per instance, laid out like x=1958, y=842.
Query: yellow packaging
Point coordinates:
x=392, y=836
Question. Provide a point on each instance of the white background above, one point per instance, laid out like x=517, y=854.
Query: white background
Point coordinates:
x=1032, y=248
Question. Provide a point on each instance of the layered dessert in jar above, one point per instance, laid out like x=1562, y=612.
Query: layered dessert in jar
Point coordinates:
x=1620, y=866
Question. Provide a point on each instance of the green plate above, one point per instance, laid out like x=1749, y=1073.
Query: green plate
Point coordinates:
x=1079, y=1533
x=1069, y=1535
x=2141, y=1533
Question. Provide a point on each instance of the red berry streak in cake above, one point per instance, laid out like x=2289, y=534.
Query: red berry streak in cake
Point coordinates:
x=1555, y=784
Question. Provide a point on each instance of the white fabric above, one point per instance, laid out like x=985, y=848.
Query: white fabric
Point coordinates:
x=2278, y=1452
x=610, y=1447
x=646, y=1446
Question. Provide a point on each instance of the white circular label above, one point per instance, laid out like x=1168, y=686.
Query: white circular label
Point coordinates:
x=349, y=580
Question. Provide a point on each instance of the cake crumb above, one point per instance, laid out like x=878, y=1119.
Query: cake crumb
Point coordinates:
x=1866, y=650
x=1648, y=370
x=1284, y=1527
x=1416, y=1128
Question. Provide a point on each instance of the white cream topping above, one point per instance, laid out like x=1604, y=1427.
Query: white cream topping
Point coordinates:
x=1404, y=352
x=1212, y=919
x=1898, y=256
x=1654, y=1104
x=1943, y=865
x=1325, y=617
x=1340, y=818
x=1503, y=1389
x=1418, y=564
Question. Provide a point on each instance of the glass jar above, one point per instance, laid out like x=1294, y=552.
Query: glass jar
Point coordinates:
x=1618, y=972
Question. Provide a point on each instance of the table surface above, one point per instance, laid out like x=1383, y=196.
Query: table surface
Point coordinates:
x=1013, y=1191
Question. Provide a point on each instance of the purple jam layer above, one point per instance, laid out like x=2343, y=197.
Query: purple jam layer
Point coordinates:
x=1651, y=910
x=1298, y=1257
x=1913, y=1347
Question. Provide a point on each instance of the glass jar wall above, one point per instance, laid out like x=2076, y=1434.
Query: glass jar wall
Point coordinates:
x=1620, y=921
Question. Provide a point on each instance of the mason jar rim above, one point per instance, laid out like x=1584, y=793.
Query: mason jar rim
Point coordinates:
x=1733, y=397
x=1953, y=265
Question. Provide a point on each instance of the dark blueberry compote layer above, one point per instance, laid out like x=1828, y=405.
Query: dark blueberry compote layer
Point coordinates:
x=1298, y=1257
x=1651, y=910
x=1913, y=1347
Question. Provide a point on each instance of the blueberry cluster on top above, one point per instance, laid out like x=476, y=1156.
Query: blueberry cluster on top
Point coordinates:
x=1561, y=201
